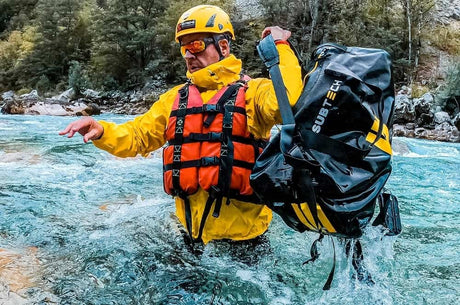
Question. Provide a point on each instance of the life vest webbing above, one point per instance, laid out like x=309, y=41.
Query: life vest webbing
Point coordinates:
x=208, y=161
x=206, y=108
x=179, y=135
x=217, y=192
x=214, y=137
x=177, y=152
x=230, y=91
x=226, y=149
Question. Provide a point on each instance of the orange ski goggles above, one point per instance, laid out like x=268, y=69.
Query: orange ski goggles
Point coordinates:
x=196, y=46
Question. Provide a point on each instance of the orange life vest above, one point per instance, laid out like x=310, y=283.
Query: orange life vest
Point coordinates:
x=209, y=146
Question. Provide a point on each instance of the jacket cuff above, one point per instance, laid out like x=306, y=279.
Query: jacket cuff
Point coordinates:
x=101, y=141
x=277, y=42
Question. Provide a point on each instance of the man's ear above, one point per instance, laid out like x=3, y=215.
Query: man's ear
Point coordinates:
x=224, y=47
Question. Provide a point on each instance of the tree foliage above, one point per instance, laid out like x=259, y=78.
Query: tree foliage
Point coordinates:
x=116, y=44
x=125, y=33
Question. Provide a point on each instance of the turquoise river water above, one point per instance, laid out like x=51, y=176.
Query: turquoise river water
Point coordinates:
x=79, y=226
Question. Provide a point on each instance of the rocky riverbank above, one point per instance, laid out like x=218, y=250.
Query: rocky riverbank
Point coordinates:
x=89, y=102
x=413, y=117
x=421, y=118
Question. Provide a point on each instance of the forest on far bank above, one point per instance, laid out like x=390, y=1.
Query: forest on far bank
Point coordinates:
x=52, y=45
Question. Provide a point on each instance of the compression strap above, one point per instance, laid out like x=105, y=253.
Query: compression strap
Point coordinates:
x=314, y=256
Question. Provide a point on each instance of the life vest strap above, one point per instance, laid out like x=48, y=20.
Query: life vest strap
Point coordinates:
x=188, y=214
x=213, y=137
x=207, y=108
x=229, y=94
x=179, y=134
x=214, y=193
x=205, y=161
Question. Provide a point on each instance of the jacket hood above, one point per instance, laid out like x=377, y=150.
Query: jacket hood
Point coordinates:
x=217, y=75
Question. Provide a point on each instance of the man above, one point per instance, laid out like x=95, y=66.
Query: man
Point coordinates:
x=213, y=127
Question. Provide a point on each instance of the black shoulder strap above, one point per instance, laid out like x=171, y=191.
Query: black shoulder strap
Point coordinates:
x=269, y=54
x=230, y=91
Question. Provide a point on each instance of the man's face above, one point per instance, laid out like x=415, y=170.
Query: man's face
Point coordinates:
x=202, y=59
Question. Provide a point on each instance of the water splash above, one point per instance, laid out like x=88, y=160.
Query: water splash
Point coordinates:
x=105, y=233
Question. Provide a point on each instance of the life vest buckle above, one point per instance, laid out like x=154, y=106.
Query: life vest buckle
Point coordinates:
x=206, y=161
x=211, y=108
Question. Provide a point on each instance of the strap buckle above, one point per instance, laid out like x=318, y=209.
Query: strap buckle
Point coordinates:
x=207, y=161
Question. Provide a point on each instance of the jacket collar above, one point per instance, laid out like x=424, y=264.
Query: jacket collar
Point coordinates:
x=217, y=75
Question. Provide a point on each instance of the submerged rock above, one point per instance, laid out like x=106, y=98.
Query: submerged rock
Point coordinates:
x=399, y=147
x=15, y=273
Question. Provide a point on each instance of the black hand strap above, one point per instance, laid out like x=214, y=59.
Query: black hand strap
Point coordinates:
x=269, y=54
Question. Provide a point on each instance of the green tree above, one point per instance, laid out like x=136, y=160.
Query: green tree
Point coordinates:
x=78, y=79
x=365, y=23
x=15, y=14
x=43, y=84
x=58, y=41
x=125, y=40
x=14, y=50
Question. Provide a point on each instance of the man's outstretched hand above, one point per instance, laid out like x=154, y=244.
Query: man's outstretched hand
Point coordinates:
x=88, y=127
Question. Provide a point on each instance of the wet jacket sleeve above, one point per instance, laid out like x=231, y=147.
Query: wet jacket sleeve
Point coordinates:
x=262, y=106
x=142, y=135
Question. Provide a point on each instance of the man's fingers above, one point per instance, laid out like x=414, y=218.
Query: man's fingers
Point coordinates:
x=87, y=127
x=70, y=130
x=287, y=34
x=277, y=33
x=265, y=33
x=92, y=134
x=66, y=130
x=71, y=133
x=75, y=127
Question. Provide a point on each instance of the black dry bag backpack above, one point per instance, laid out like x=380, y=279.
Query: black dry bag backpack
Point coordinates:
x=326, y=168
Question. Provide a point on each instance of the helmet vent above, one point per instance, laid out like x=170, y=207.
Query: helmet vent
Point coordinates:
x=210, y=22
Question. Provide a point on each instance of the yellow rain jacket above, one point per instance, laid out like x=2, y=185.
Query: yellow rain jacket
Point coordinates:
x=146, y=133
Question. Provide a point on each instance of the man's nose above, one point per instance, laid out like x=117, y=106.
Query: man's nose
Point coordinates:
x=188, y=54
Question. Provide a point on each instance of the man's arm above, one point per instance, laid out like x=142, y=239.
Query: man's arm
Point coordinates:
x=142, y=135
x=262, y=108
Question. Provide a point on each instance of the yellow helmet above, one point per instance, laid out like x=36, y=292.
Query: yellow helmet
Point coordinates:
x=204, y=19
